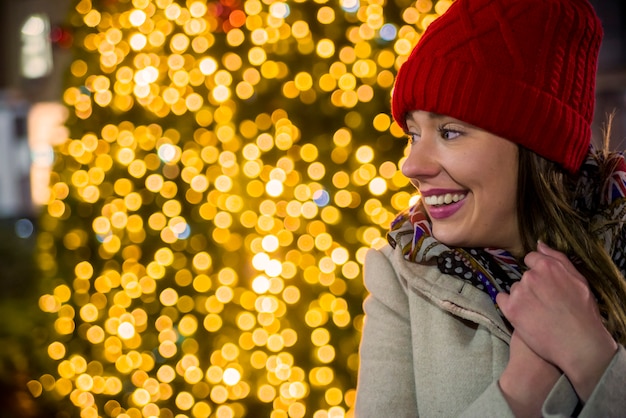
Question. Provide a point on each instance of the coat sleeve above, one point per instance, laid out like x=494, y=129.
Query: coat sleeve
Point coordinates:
x=386, y=385
x=490, y=404
x=608, y=399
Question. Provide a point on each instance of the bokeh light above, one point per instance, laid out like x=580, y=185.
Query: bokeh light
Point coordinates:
x=229, y=165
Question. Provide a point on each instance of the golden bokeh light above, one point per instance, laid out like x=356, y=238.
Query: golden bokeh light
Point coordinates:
x=230, y=164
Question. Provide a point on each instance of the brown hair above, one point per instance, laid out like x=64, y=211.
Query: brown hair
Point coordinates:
x=546, y=213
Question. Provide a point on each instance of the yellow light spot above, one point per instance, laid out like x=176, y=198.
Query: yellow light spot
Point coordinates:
x=231, y=376
x=303, y=81
x=188, y=325
x=193, y=374
x=166, y=373
x=126, y=330
x=257, y=56
x=219, y=394
x=297, y=410
x=274, y=188
x=184, y=400
x=138, y=41
x=202, y=261
x=202, y=283
x=168, y=349
x=259, y=36
x=300, y=29
x=95, y=334
x=207, y=66
x=169, y=297
x=141, y=397
x=212, y=322
x=334, y=396
x=266, y=393
x=56, y=350
x=89, y=312
x=377, y=186
x=326, y=15
x=270, y=243
x=326, y=353
x=261, y=284
x=221, y=93
x=137, y=17
x=84, y=382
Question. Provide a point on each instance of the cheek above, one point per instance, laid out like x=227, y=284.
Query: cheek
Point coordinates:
x=504, y=170
x=499, y=194
x=506, y=195
x=511, y=181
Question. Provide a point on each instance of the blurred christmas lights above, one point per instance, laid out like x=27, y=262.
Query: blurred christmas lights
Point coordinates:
x=230, y=163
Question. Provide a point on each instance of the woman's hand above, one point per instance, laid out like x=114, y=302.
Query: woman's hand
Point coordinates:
x=555, y=313
x=527, y=379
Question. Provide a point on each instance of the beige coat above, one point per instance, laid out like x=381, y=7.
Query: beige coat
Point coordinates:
x=435, y=346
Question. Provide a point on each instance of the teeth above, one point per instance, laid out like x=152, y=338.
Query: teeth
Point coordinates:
x=444, y=199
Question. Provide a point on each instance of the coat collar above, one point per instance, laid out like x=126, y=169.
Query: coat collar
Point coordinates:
x=451, y=294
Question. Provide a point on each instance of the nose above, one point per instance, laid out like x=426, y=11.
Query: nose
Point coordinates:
x=422, y=161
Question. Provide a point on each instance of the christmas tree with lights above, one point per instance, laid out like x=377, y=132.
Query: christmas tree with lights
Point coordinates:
x=229, y=164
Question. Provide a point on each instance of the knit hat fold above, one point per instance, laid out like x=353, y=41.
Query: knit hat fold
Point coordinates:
x=520, y=69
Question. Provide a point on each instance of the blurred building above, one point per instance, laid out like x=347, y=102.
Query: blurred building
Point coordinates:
x=31, y=75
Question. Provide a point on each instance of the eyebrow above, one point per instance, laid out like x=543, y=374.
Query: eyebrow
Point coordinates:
x=438, y=116
x=433, y=115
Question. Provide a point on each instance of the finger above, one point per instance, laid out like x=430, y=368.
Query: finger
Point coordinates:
x=502, y=299
x=509, y=303
x=548, y=259
x=532, y=258
x=514, y=286
x=544, y=254
x=545, y=249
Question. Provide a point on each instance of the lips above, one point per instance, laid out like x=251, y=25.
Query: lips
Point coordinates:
x=443, y=204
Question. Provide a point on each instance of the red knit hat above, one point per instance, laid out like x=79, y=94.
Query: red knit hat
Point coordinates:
x=520, y=69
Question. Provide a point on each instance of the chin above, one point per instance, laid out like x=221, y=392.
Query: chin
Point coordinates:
x=451, y=240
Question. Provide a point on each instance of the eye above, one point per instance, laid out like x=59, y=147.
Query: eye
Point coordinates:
x=413, y=137
x=448, y=133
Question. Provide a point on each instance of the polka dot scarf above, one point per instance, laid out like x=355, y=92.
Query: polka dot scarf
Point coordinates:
x=488, y=269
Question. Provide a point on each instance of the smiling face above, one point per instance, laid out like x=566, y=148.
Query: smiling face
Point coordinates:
x=468, y=181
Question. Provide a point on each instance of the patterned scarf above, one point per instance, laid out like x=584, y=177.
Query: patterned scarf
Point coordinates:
x=492, y=270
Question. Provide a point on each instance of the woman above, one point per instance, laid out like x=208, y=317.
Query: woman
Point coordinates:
x=502, y=292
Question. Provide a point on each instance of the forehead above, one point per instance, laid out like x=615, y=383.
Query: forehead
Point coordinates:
x=426, y=114
x=422, y=116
